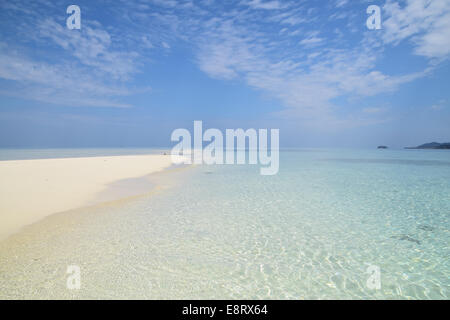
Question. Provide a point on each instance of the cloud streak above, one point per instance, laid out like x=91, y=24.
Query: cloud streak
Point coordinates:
x=307, y=83
x=423, y=22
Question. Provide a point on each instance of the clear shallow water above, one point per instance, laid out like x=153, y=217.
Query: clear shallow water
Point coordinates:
x=309, y=232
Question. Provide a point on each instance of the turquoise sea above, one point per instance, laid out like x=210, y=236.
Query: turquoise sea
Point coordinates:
x=316, y=230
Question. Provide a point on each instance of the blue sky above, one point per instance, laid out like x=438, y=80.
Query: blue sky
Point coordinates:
x=137, y=70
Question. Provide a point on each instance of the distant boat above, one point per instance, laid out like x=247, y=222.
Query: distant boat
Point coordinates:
x=382, y=147
x=432, y=145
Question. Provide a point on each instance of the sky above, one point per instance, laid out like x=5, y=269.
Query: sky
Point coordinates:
x=138, y=69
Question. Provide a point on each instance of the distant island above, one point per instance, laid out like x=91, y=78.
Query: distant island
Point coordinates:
x=432, y=145
x=382, y=147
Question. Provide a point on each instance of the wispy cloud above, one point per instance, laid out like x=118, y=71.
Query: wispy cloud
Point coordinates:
x=440, y=105
x=423, y=22
x=341, y=3
x=291, y=50
x=311, y=41
x=261, y=4
x=87, y=67
x=308, y=83
x=93, y=47
x=55, y=83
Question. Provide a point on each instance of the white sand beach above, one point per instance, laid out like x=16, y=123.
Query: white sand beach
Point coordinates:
x=33, y=189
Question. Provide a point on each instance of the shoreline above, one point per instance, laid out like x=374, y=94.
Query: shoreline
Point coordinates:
x=31, y=190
